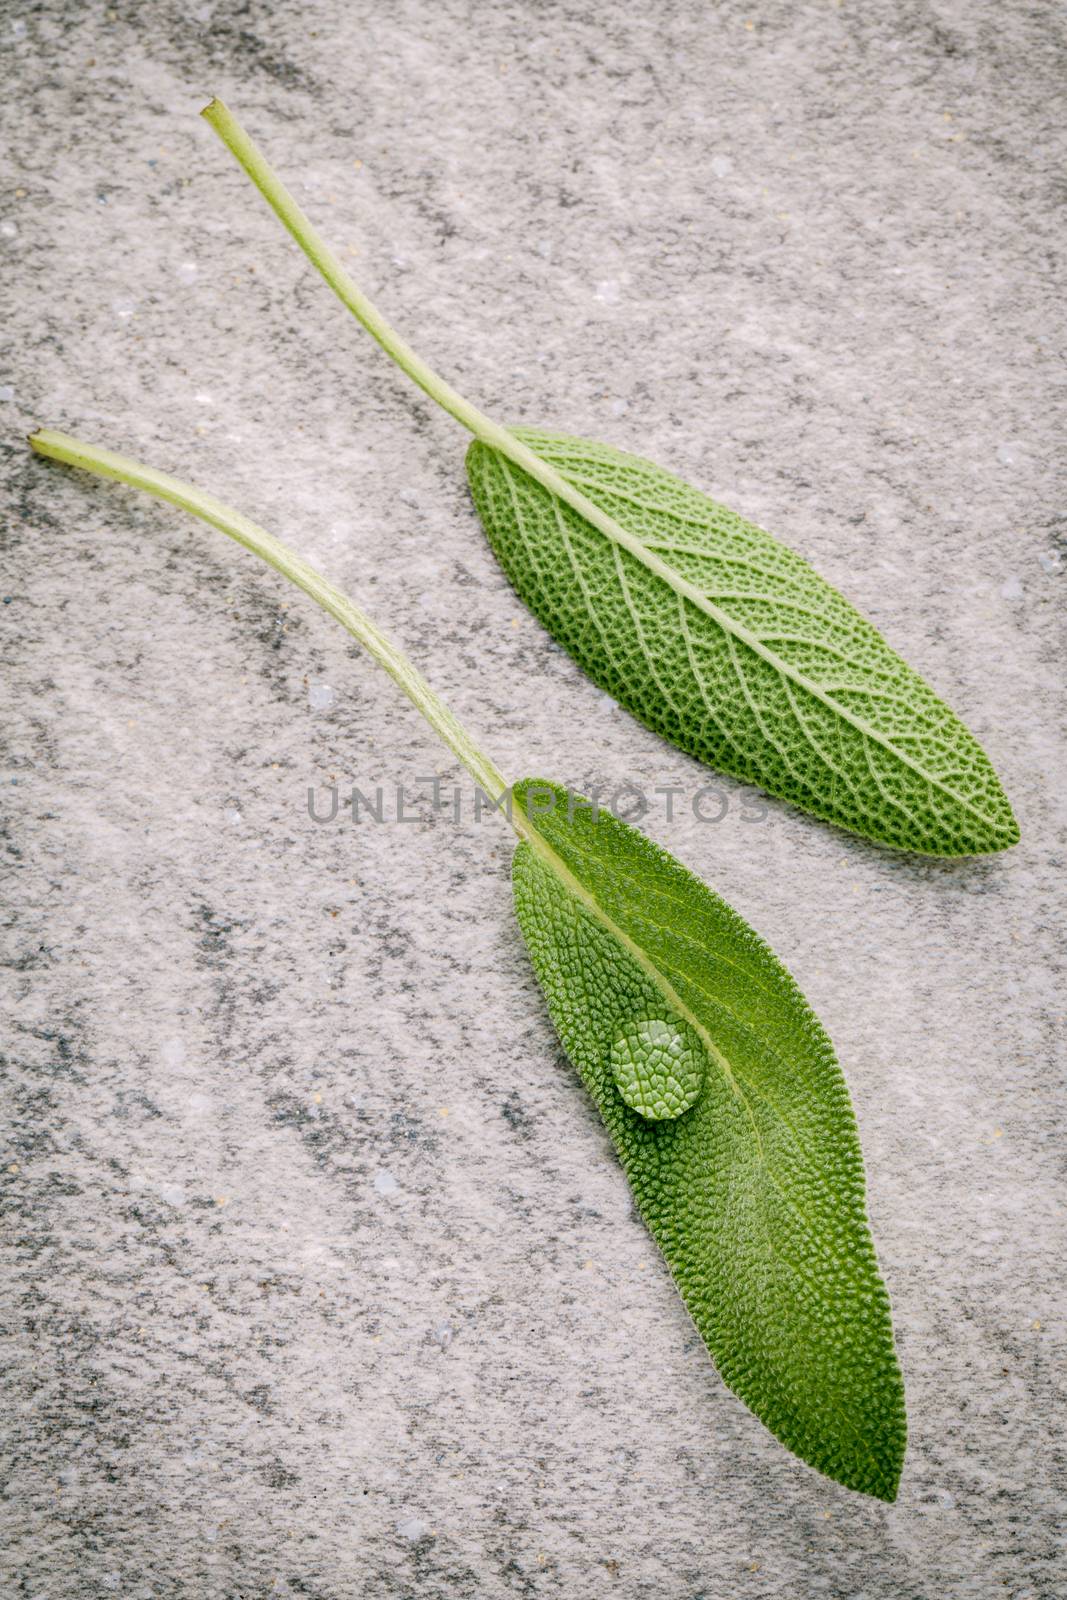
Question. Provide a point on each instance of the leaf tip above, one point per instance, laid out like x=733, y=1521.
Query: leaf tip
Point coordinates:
x=1004, y=833
x=888, y=1491
x=877, y=1477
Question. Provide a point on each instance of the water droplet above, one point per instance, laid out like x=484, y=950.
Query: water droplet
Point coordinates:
x=658, y=1066
x=385, y=1183
x=186, y=271
x=721, y=166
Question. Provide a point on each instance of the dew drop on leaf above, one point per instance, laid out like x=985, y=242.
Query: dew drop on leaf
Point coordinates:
x=658, y=1066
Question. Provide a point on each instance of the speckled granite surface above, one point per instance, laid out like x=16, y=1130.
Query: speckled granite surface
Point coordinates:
x=321, y=1279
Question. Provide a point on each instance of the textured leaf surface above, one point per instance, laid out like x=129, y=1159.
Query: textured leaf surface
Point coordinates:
x=755, y=1194
x=733, y=647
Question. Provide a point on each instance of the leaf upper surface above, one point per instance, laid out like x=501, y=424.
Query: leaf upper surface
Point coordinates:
x=723, y=640
x=755, y=1195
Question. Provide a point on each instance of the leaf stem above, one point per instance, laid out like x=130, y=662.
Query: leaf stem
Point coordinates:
x=343, y=285
x=351, y=295
x=106, y=464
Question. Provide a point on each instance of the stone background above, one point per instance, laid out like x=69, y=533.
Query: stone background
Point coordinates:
x=322, y=1280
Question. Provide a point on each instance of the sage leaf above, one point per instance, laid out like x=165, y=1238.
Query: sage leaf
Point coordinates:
x=718, y=637
x=706, y=628
x=718, y=1086
x=754, y=1189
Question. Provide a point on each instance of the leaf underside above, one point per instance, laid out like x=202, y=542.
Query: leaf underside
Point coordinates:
x=738, y=651
x=756, y=1195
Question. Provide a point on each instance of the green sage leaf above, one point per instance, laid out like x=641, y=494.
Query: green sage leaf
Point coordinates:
x=755, y=1192
x=718, y=637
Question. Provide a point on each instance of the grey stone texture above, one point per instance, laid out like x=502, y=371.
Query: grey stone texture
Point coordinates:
x=321, y=1279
